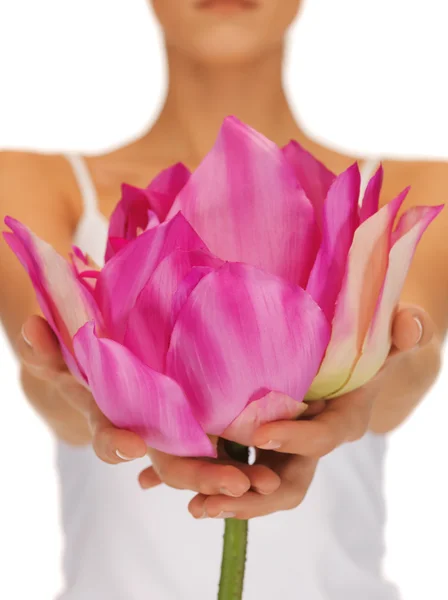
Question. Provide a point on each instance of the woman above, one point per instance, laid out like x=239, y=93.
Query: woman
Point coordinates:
x=224, y=58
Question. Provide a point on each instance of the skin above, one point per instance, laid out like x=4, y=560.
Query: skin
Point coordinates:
x=222, y=60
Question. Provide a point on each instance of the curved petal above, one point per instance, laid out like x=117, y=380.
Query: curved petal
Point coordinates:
x=371, y=200
x=64, y=301
x=313, y=176
x=163, y=190
x=364, y=277
x=137, y=208
x=241, y=334
x=126, y=274
x=340, y=220
x=136, y=398
x=243, y=200
x=130, y=214
x=85, y=269
x=272, y=407
x=377, y=344
x=151, y=320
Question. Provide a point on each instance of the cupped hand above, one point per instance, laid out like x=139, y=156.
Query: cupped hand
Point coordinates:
x=292, y=448
x=40, y=355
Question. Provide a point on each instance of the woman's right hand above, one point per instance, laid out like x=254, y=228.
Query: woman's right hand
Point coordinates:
x=41, y=359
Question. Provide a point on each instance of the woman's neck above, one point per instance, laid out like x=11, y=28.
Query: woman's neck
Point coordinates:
x=200, y=96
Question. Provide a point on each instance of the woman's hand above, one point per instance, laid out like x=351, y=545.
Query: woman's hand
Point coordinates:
x=71, y=406
x=292, y=448
x=74, y=412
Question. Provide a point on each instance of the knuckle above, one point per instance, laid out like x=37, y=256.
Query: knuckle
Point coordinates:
x=356, y=434
x=293, y=499
x=164, y=474
x=323, y=443
x=357, y=429
x=206, y=487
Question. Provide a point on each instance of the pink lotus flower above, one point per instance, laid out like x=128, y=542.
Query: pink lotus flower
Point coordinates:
x=230, y=294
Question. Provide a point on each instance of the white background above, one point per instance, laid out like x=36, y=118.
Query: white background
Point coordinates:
x=368, y=77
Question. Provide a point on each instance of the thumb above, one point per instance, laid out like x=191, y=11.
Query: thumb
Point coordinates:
x=412, y=327
x=38, y=348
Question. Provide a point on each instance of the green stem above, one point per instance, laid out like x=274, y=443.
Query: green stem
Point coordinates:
x=235, y=543
x=233, y=560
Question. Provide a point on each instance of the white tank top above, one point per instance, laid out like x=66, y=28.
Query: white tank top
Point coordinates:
x=122, y=543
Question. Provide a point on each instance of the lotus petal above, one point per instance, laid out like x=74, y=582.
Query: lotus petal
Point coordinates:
x=313, y=176
x=371, y=201
x=151, y=320
x=363, y=280
x=127, y=273
x=340, y=220
x=272, y=407
x=377, y=344
x=65, y=302
x=241, y=334
x=139, y=209
x=139, y=399
x=243, y=200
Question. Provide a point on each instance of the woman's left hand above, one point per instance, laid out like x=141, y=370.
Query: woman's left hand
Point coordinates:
x=292, y=448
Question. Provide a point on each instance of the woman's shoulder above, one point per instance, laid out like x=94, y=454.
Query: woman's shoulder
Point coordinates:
x=29, y=178
x=18, y=167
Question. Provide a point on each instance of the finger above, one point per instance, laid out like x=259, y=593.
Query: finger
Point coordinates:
x=115, y=446
x=40, y=352
x=39, y=349
x=149, y=479
x=199, y=475
x=288, y=496
x=111, y=445
x=314, y=408
x=344, y=419
x=262, y=479
x=412, y=327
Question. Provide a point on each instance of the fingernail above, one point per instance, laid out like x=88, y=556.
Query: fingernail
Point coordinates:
x=227, y=492
x=225, y=515
x=420, y=330
x=123, y=456
x=25, y=337
x=271, y=445
x=204, y=515
x=263, y=492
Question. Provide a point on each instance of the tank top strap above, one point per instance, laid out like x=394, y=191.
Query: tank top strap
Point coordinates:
x=85, y=183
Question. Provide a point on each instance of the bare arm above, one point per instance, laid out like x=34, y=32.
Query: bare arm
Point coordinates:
x=36, y=190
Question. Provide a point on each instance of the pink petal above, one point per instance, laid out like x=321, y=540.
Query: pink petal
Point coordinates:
x=163, y=190
x=272, y=407
x=64, y=301
x=243, y=200
x=371, y=201
x=114, y=245
x=126, y=274
x=313, y=176
x=138, y=208
x=84, y=268
x=153, y=220
x=241, y=334
x=151, y=320
x=364, y=277
x=377, y=344
x=340, y=220
x=130, y=214
x=136, y=398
